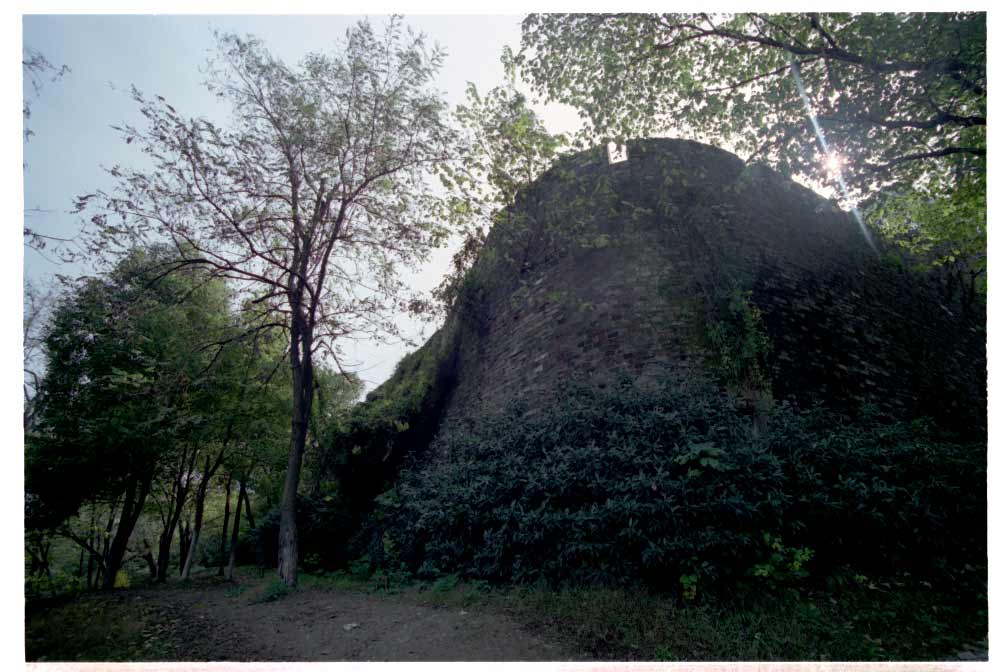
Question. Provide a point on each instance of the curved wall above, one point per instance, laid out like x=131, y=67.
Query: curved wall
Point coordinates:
x=598, y=267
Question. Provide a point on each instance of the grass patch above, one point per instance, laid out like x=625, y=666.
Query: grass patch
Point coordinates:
x=98, y=628
x=235, y=591
x=337, y=581
x=450, y=592
x=272, y=591
x=855, y=624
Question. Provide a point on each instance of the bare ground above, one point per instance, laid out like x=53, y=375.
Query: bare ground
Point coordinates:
x=207, y=619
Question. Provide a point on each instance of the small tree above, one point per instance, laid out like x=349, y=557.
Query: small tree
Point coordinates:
x=124, y=380
x=308, y=203
x=37, y=306
x=506, y=147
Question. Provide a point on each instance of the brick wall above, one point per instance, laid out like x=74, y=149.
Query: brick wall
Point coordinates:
x=603, y=274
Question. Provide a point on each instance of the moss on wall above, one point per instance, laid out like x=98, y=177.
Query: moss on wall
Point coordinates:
x=601, y=270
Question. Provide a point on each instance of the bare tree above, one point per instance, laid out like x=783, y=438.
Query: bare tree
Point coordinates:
x=308, y=203
x=37, y=305
x=35, y=68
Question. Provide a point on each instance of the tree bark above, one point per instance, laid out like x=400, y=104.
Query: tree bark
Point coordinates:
x=164, y=545
x=180, y=492
x=302, y=373
x=80, y=564
x=148, y=556
x=92, y=579
x=224, y=530
x=234, y=530
x=208, y=472
x=136, y=495
x=184, y=545
x=104, y=539
x=248, y=507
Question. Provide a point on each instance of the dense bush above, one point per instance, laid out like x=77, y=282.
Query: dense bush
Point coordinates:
x=398, y=419
x=670, y=486
x=324, y=532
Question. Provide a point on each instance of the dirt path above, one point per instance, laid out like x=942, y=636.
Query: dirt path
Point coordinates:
x=216, y=621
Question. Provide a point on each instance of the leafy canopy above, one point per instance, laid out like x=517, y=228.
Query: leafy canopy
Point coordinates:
x=900, y=98
x=126, y=379
x=503, y=147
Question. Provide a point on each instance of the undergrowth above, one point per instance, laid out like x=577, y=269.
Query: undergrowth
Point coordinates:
x=670, y=488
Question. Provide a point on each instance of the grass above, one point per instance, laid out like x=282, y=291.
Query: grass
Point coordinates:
x=97, y=627
x=858, y=620
x=855, y=624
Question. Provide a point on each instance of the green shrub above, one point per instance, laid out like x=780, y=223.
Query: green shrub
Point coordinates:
x=275, y=590
x=627, y=484
x=324, y=530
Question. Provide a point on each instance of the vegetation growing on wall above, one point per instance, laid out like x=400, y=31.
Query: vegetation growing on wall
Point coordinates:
x=397, y=421
x=728, y=329
x=670, y=487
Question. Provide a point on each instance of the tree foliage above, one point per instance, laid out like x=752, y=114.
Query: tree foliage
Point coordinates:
x=37, y=305
x=505, y=147
x=309, y=202
x=35, y=69
x=901, y=100
x=120, y=357
x=126, y=383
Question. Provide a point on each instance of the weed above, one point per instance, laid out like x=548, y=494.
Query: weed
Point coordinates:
x=275, y=590
x=445, y=583
x=96, y=628
x=633, y=624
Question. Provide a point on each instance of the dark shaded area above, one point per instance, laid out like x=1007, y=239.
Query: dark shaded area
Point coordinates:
x=602, y=271
x=600, y=268
x=391, y=429
x=628, y=486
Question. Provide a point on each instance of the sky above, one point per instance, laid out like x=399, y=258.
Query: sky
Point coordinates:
x=72, y=118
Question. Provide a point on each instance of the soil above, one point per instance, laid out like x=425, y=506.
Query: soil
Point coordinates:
x=208, y=619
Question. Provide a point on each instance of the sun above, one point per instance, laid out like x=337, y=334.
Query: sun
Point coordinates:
x=833, y=163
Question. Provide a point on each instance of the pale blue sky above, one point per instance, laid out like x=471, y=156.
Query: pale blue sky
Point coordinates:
x=162, y=55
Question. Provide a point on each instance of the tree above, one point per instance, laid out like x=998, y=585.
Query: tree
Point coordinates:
x=308, y=204
x=504, y=147
x=123, y=378
x=35, y=67
x=892, y=105
x=37, y=305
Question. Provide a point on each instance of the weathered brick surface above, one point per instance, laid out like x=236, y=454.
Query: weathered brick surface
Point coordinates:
x=611, y=292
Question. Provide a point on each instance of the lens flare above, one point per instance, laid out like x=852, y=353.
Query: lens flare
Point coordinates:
x=833, y=163
x=796, y=73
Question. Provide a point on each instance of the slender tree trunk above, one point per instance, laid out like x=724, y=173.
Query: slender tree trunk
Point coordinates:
x=164, y=544
x=234, y=530
x=193, y=543
x=105, y=540
x=208, y=472
x=248, y=507
x=302, y=372
x=180, y=492
x=148, y=556
x=95, y=541
x=224, y=529
x=103, y=543
x=136, y=495
x=185, y=537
